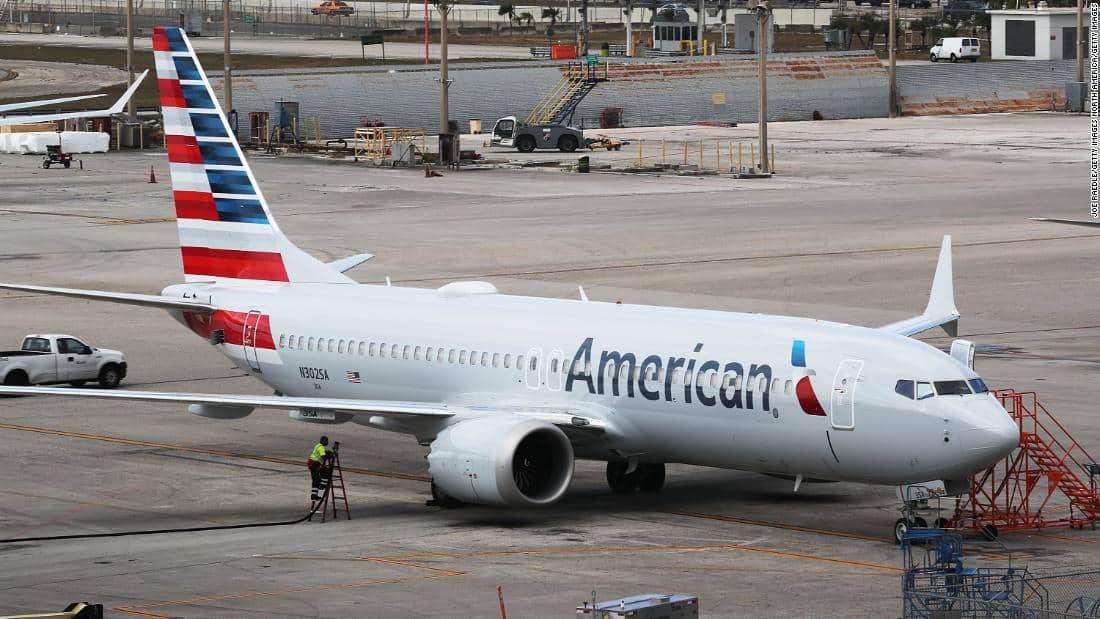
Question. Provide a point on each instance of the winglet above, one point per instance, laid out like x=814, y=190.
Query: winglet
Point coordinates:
x=120, y=105
x=941, y=302
x=941, y=310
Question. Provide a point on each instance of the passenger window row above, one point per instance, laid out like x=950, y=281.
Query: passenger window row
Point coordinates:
x=386, y=350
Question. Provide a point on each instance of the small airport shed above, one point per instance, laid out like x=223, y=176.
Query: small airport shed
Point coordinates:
x=1034, y=34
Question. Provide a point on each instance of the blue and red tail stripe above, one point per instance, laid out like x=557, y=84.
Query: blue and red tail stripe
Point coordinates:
x=233, y=263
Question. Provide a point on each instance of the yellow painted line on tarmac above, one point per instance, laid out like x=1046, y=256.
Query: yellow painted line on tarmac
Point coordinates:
x=1066, y=538
x=781, y=525
x=599, y=550
x=199, y=450
x=239, y=595
x=130, y=611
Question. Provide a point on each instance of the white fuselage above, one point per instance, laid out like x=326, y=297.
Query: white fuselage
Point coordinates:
x=729, y=400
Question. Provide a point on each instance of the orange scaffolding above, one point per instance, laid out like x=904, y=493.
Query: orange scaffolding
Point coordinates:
x=1050, y=480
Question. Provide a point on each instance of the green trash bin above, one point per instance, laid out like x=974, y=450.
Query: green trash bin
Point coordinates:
x=583, y=164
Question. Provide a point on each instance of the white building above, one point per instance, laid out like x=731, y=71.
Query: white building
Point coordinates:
x=1034, y=34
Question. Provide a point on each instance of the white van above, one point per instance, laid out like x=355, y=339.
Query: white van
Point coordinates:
x=955, y=49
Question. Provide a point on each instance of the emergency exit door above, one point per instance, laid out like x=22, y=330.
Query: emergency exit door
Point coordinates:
x=843, y=408
x=251, y=334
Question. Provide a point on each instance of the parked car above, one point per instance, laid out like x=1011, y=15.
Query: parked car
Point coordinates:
x=332, y=7
x=963, y=9
x=57, y=358
x=956, y=49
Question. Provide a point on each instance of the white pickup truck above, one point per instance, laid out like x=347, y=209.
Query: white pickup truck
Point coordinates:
x=57, y=358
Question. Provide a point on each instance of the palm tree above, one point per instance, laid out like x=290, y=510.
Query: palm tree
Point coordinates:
x=527, y=19
x=508, y=10
x=552, y=15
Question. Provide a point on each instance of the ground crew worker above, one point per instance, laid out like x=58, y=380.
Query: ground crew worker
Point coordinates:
x=316, y=464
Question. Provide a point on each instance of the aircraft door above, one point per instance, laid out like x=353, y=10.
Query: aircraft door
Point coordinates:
x=842, y=409
x=251, y=328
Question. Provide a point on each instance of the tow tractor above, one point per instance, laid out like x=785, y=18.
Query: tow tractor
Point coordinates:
x=54, y=155
x=549, y=125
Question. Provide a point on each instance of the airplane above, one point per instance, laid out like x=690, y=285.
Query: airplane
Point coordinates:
x=117, y=108
x=507, y=391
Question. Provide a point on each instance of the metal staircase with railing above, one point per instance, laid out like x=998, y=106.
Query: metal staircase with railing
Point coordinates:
x=558, y=105
x=1050, y=480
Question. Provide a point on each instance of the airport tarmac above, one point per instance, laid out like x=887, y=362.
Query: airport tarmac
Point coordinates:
x=848, y=231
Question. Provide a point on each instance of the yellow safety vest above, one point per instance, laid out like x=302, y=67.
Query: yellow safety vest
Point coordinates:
x=318, y=453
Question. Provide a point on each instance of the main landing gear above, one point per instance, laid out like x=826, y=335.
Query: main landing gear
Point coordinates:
x=623, y=478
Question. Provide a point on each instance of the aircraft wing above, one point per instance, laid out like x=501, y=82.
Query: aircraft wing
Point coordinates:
x=581, y=421
x=373, y=407
x=117, y=108
x=126, y=298
x=11, y=107
x=941, y=310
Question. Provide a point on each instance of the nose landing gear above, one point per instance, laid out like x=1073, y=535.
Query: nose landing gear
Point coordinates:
x=624, y=477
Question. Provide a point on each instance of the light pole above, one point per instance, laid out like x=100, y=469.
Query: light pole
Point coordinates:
x=130, y=54
x=628, y=8
x=446, y=144
x=763, y=11
x=891, y=42
x=228, y=76
x=701, y=22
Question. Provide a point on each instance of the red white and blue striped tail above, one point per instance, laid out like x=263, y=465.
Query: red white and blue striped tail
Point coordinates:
x=227, y=233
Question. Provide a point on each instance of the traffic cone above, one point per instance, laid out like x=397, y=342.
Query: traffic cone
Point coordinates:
x=152, y=175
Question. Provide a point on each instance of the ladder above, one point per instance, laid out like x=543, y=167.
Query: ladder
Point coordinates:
x=334, y=490
x=557, y=106
x=1050, y=480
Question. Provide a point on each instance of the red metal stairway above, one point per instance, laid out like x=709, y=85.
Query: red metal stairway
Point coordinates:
x=1048, y=481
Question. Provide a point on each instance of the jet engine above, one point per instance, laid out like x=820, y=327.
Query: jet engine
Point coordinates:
x=502, y=461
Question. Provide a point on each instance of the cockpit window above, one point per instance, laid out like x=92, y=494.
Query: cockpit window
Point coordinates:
x=924, y=390
x=978, y=385
x=952, y=387
x=904, y=388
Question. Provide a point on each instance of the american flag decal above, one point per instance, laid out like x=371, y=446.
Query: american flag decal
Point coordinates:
x=353, y=377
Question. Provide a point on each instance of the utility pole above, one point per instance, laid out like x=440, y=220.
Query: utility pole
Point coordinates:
x=446, y=146
x=228, y=75
x=892, y=43
x=1081, y=43
x=700, y=24
x=584, y=27
x=130, y=54
x=629, y=10
x=763, y=11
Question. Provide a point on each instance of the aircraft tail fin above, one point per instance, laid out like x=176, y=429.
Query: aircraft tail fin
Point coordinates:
x=227, y=233
x=941, y=310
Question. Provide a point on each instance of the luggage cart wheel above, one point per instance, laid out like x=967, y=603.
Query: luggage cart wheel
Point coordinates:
x=942, y=523
x=901, y=527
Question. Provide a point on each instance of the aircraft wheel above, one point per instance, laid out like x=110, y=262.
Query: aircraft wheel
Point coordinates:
x=651, y=476
x=618, y=480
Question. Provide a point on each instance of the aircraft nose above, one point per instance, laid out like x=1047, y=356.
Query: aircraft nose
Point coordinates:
x=994, y=433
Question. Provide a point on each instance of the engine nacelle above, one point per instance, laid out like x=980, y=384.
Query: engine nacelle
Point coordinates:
x=220, y=411
x=502, y=461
